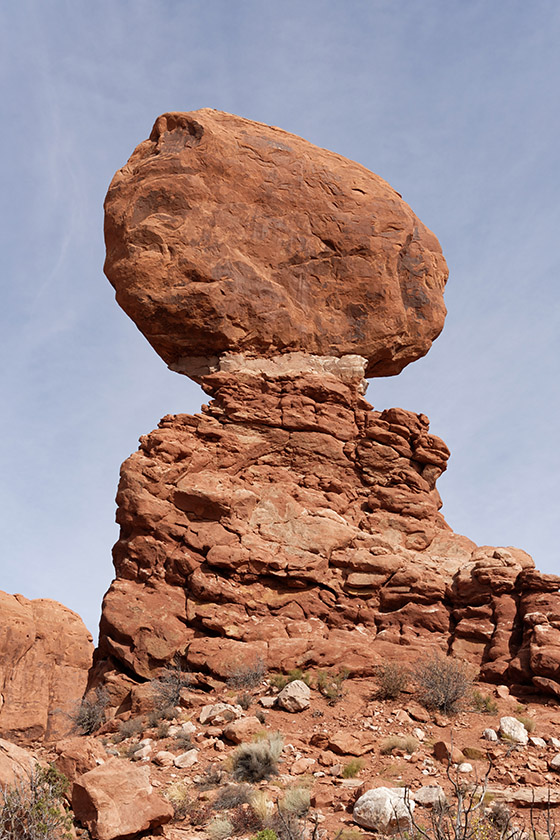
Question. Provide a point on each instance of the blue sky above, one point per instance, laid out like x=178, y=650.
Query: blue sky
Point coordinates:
x=454, y=102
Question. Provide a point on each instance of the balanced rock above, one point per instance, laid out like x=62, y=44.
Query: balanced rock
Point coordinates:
x=45, y=654
x=227, y=235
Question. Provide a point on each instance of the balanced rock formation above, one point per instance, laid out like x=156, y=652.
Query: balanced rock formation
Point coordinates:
x=290, y=522
x=226, y=235
x=45, y=655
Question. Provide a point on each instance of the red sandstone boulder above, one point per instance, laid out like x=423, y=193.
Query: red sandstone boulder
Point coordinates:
x=226, y=235
x=45, y=654
x=116, y=800
x=15, y=763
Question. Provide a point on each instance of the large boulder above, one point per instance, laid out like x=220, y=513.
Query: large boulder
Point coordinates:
x=116, y=800
x=45, y=654
x=384, y=810
x=227, y=235
x=16, y=763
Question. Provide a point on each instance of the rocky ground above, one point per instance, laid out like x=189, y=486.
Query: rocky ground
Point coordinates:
x=176, y=768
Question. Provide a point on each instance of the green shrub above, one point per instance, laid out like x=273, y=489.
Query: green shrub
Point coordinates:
x=329, y=684
x=352, y=768
x=483, y=703
x=392, y=679
x=266, y=834
x=443, y=683
x=527, y=722
x=280, y=681
x=32, y=808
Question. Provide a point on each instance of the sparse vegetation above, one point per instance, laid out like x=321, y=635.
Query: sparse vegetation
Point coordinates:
x=280, y=681
x=167, y=687
x=162, y=730
x=256, y=761
x=443, y=683
x=247, y=675
x=89, y=715
x=352, y=768
x=178, y=795
x=244, y=700
x=232, y=795
x=129, y=728
x=405, y=743
x=392, y=679
x=329, y=684
x=483, y=703
x=32, y=808
x=527, y=722
x=296, y=800
x=219, y=828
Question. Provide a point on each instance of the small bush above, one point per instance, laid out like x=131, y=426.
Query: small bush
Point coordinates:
x=392, y=679
x=398, y=742
x=244, y=700
x=527, y=722
x=162, y=730
x=352, y=769
x=231, y=796
x=219, y=828
x=32, y=809
x=244, y=819
x=296, y=800
x=248, y=675
x=256, y=761
x=266, y=834
x=329, y=684
x=179, y=797
x=129, y=728
x=443, y=683
x=210, y=777
x=280, y=681
x=483, y=703
x=167, y=687
x=260, y=716
x=89, y=715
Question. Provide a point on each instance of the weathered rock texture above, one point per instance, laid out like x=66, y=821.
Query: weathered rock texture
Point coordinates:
x=289, y=521
x=45, y=654
x=229, y=235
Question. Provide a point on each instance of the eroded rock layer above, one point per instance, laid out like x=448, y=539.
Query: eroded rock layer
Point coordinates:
x=45, y=655
x=227, y=235
x=291, y=522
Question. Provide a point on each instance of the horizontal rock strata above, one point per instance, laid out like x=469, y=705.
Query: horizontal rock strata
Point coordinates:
x=291, y=522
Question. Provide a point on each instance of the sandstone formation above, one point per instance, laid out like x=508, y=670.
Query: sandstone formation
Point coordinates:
x=289, y=522
x=226, y=235
x=45, y=654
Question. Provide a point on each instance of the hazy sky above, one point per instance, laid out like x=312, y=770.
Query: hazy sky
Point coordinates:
x=454, y=102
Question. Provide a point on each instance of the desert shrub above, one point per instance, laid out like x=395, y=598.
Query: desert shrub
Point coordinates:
x=156, y=716
x=219, y=828
x=89, y=714
x=398, y=742
x=178, y=795
x=32, y=808
x=183, y=740
x=244, y=819
x=352, y=768
x=167, y=687
x=443, y=683
x=129, y=728
x=244, y=700
x=527, y=722
x=280, y=681
x=231, y=796
x=260, y=716
x=261, y=804
x=392, y=678
x=483, y=703
x=296, y=800
x=247, y=675
x=266, y=834
x=211, y=777
x=162, y=730
x=256, y=761
x=329, y=684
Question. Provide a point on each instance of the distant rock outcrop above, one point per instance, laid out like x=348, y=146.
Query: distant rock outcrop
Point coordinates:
x=45, y=655
x=289, y=521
